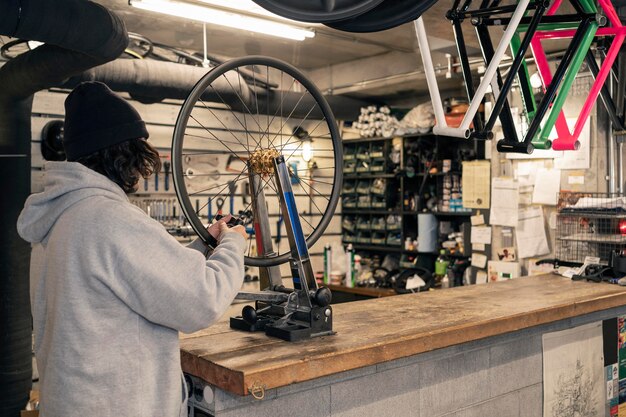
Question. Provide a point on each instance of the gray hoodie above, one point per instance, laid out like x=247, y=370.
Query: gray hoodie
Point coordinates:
x=110, y=289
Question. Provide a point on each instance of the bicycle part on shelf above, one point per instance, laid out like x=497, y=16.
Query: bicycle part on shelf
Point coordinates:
x=387, y=15
x=400, y=278
x=321, y=11
x=52, y=141
x=138, y=46
x=225, y=116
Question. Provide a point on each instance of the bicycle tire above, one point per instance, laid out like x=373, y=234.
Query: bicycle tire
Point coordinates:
x=318, y=12
x=178, y=143
x=387, y=15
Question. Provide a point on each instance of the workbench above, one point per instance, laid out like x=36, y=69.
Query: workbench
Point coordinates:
x=472, y=350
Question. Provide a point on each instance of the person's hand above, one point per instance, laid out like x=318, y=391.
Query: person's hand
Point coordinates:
x=224, y=230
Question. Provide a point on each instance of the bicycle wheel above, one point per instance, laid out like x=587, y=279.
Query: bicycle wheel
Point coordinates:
x=322, y=11
x=227, y=128
x=387, y=15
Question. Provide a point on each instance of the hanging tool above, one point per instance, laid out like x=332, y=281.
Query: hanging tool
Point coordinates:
x=220, y=203
x=156, y=181
x=210, y=209
x=279, y=223
x=232, y=188
x=245, y=193
x=145, y=184
x=166, y=168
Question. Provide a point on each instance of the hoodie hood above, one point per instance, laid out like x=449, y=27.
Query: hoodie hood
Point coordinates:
x=65, y=184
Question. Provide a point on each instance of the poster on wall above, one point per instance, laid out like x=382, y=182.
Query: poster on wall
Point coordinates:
x=621, y=354
x=573, y=372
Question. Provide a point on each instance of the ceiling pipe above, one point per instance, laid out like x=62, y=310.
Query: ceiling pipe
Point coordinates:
x=151, y=81
x=79, y=34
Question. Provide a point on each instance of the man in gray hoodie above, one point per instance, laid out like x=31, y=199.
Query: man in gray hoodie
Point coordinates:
x=110, y=288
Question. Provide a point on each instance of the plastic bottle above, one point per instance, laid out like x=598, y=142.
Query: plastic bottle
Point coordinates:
x=328, y=261
x=441, y=266
x=350, y=266
x=445, y=282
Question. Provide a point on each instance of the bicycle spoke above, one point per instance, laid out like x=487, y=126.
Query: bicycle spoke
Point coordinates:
x=213, y=138
x=294, y=151
x=222, y=123
x=235, y=180
x=226, y=146
x=317, y=192
x=291, y=113
x=312, y=199
x=240, y=99
x=316, y=180
x=280, y=108
x=244, y=116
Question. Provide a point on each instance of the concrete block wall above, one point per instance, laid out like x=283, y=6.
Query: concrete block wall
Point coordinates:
x=500, y=376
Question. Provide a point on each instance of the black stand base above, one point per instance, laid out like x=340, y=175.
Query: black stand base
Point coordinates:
x=300, y=325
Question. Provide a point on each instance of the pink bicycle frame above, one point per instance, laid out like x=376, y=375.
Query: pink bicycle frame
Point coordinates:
x=569, y=140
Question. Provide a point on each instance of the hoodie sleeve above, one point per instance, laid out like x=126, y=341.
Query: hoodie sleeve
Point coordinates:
x=164, y=281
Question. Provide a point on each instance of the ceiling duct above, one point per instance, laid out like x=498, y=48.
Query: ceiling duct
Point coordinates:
x=151, y=81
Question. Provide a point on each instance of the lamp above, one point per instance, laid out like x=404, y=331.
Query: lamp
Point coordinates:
x=223, y=18
x=305, y=138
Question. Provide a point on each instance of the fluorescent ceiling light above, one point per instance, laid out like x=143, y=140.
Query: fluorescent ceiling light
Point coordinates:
x=223, y=18
x=249, y=7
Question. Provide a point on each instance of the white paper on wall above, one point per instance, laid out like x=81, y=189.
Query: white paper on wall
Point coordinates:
x=504, y=202
x=530, y=235
x=481, y=234
x=547, y=186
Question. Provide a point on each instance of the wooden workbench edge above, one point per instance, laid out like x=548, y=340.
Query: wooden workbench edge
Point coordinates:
x=233, y=383
x=416, y=344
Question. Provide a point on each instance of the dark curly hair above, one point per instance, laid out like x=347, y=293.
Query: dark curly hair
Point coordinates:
x=125, y=163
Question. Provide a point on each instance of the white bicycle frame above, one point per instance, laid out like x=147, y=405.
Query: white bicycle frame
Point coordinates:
x=463, y=131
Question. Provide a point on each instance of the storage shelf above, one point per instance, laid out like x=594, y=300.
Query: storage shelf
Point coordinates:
x=365, y=211
x=596, y=215
x=595, y=237
x=437, y=174
x=410, y=135
x=440, y=213
x=391, y=249
x=368, y=176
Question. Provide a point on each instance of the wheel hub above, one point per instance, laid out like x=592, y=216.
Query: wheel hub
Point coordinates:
x=262, y=161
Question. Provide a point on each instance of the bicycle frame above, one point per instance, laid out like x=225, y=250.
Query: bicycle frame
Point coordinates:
x=568, y=140
x=489, y=79
x=555, y=91
x=563, y=78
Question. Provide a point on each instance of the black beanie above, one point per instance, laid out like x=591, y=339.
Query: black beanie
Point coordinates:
x=96, y=118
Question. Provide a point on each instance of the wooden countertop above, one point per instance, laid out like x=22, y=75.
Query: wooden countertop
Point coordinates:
x=378, y=330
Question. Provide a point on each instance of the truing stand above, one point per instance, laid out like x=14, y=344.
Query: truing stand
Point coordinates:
x=289, y=314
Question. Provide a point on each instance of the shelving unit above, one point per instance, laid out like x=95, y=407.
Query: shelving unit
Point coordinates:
x=377, y=212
